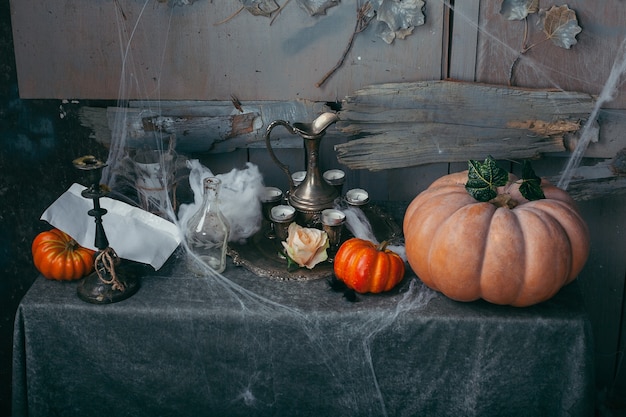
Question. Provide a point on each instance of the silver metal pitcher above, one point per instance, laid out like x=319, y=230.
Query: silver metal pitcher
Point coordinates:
x=314, y=194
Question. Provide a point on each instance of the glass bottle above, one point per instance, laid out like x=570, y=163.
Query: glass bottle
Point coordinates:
x=208, y=230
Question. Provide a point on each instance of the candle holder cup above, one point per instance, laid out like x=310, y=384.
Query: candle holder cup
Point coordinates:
x=332, y=223
x=271, y=198
x=282, y=216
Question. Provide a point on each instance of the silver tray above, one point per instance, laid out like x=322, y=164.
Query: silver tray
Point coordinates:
x=262, y=255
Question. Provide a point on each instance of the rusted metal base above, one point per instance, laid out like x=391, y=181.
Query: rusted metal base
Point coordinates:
x=94, y=290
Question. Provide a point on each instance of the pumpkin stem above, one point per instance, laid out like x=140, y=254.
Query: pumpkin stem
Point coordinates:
x=504, y=200
x=71, y=244
x=382, y=246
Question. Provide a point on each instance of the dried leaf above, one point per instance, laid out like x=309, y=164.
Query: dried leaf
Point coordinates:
x=317, y=7
x=260, y=7
x=397, y=18
x=178, y=2
x=561, y=26
x=518, y=9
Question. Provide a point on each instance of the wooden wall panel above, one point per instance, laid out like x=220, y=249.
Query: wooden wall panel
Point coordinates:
x=138, y=49
x=406, y=184
x=464, y=40
x=618, y=389
x=272, y=174
x=585, y=67
x=602, y=281
x=221, y=163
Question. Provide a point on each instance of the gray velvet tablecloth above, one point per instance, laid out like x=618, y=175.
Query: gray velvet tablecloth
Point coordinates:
x=249, y=346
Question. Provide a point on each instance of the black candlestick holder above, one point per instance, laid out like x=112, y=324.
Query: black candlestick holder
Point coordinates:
x=108, y=283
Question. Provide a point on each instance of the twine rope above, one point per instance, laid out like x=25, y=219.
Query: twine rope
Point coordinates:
x=108, y=259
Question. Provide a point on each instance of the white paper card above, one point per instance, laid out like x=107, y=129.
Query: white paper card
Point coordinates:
x=133, y=233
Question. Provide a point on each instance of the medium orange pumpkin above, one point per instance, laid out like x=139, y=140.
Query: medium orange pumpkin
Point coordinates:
x=57, y=256
x=366, y=267
x=515, y=256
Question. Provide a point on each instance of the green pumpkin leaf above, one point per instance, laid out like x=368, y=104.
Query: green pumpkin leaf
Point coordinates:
x=484, y=178
x=531, y=183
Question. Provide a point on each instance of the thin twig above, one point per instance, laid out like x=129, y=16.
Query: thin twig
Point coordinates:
x=362, y=21
x=524, y=48
x=529, y=47
x=525, y=41
x=512, y=68
x=229, y=17
x=280, y=9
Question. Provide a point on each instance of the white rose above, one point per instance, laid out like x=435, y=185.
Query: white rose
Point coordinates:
x=306, y=246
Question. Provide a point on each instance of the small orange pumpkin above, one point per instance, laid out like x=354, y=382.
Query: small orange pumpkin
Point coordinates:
x=517, y=256
x=57, y=256
x=366, y=267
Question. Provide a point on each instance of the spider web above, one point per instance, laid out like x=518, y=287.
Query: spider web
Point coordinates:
x=120, y=175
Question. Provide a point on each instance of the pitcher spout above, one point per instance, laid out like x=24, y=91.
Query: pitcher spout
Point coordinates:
x=323, y=122
x=318, y=126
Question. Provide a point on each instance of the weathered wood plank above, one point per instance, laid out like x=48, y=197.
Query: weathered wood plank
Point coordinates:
x=612, y=124
x=456, y=94
x=612, y=138
x=399, y=125
x=379, y=124
x=219, y=127
x=441, y=144
x=199, y=126
x=583, y=190
x=594, y=181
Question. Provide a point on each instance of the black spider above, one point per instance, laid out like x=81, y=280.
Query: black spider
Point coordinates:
x=337, y=285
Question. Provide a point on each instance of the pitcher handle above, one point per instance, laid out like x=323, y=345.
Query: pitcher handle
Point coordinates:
x=282, y=166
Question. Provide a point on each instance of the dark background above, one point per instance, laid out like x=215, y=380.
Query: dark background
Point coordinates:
x=38, y=141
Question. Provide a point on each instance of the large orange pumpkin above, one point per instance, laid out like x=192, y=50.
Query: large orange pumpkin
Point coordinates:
x=57, y=256
x=516, y=256
x=366, y=267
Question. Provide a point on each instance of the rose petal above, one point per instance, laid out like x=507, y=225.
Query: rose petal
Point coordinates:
x=320, y=256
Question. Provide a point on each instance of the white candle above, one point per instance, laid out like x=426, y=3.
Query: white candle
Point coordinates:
x=298, y=177
x=335, y=176
x=282, y=213
x=271, y=194
x=357, y=197
x=332, y=217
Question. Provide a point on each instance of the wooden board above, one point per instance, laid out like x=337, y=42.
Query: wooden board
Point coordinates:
x=400, y=125
x=135, y=49
x=199, y=126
